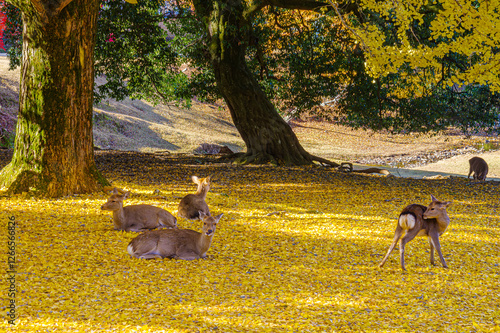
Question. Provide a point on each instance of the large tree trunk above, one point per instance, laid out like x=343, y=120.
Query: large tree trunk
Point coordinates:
x=267, y=136
x=53, y=152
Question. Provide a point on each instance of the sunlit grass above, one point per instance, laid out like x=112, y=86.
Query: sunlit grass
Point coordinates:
x=296, y=251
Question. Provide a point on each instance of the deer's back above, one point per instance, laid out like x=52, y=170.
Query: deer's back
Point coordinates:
x=141, y=210
x=145, y=215
x=479, y=166
x=417, y=211
x=191, y=204
x=414, y=209
x=165, y=242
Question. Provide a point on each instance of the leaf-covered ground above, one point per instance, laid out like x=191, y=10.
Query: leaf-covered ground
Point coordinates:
x=296, y=251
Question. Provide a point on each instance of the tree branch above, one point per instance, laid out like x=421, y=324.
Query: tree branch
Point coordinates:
x=50, y=8
x=297, y=4
x=344, y=23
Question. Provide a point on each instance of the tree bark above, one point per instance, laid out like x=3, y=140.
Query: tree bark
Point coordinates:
x=267, y=136
x=53, y=151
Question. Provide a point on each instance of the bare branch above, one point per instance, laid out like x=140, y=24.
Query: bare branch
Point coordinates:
x=50, y=8
x=341, y=17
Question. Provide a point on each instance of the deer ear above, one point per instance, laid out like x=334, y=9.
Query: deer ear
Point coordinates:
x=217, y=218
x=207, y=180
x=434, y=198
x=447, y=203
x=126, y=195
x=195, y=179
x=115, y=190
x=202, y=214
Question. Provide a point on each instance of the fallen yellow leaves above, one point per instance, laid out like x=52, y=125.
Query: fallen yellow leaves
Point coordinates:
x=297, y=251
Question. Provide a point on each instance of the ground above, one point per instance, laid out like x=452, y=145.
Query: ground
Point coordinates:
x=297, y=249
x=135, y=125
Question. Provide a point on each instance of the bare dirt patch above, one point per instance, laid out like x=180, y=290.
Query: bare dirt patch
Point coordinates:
x=339, y=142
x=9, y=97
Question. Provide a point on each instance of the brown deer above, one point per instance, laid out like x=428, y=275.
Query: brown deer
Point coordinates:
x=183, y=244
x=192, y=204
x=137, y=217
x=418, y=220
x=479, y=167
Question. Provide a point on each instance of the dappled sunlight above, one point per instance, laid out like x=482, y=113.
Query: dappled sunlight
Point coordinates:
x=65, y=325
x=479, y=217
x=285, y=257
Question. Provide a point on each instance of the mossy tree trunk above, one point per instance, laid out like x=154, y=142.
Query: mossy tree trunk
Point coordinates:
x=53, y=152
x=267, y=136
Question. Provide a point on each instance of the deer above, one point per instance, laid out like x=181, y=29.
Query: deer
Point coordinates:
x=185, y=244
x=478, y=167
x=137, y=217
x=419, y=220
x=192, y=204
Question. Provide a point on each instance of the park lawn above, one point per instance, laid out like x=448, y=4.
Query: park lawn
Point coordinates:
x=296, y=251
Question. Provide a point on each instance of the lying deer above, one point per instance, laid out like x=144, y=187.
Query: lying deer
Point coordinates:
x=137, y=217
x=183, y=244
x=479, y=167
x=418, y=220
x=192, y=204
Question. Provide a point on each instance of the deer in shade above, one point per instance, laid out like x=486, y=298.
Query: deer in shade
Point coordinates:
x=418, y=220
x=192, y=204
x=183, y=244
x=137, y=217
x=478, y=168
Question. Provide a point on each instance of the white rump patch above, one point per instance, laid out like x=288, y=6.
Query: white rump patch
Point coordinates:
x=130, y=250
x=407, y=221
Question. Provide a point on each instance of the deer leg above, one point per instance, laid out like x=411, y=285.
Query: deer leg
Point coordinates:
x=188, y=256
x=165, y=220
x=149, y=256
x=134, y=229
x=397, y=235
x=161, y=224
x=432, y=251
x=410, y=234
x=434, y=237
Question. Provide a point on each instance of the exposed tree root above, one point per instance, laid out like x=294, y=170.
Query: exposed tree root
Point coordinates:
x=258, y=158
x=19, y=178
x=373, y=170
x=263, y=158
x=323, y=161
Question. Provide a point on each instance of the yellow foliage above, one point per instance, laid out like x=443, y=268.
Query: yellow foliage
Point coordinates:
x=480, y=19
x=297, y=250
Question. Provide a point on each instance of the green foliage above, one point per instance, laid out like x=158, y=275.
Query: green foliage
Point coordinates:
x=298, y=65
x=302, y=62
x=415, y=99
x=300, y=59
x=13, y=34
x=7, y=139
x=190, y=46
x=133, y=52
x=372, y=105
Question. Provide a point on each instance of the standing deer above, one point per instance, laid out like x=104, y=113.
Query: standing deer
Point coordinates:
x=479, y=167
x=137, y=217
x=418, y=220
x=183, y=244
x=192, y=204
